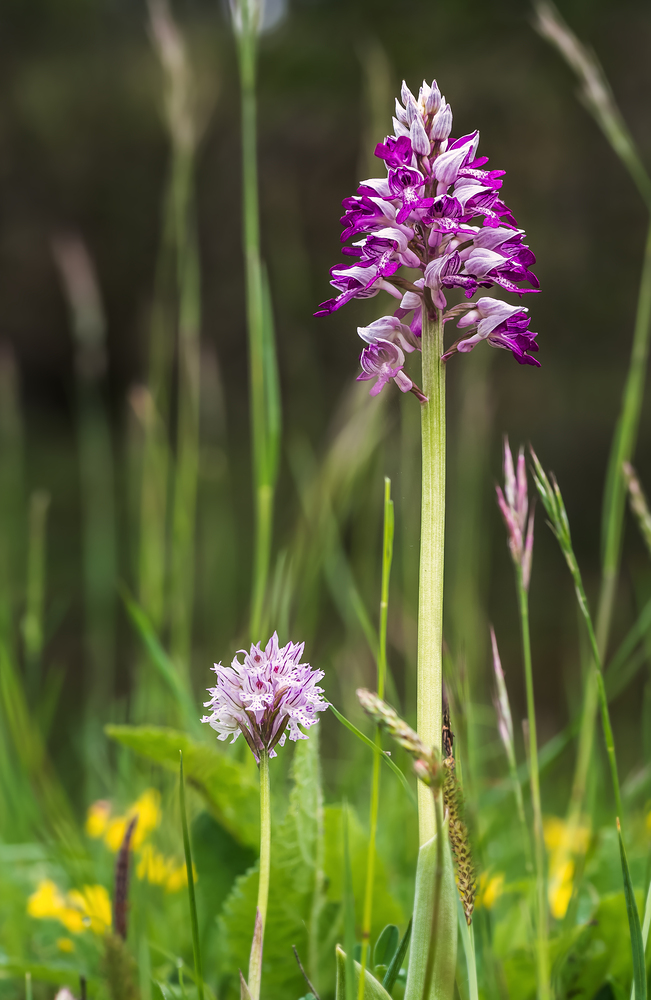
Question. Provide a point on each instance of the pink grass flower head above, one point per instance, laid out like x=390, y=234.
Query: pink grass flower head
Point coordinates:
x=518, y=515
x=267, y=697
x=440, y=213
x=502, y=706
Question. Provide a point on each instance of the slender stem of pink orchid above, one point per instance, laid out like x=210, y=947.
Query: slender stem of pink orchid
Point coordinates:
x=255, y=962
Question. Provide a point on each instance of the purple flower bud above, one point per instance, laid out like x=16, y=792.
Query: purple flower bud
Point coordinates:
x=502, y=707
x=419, y=140
x=441, y=123
x=266, y=698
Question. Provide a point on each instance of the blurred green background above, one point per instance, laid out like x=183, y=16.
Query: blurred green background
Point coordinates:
x=84, y=151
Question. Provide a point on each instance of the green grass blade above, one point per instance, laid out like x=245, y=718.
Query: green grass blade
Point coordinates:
x=349, y=915
x=395, y=965
x=191, y=895
x=32, y=624
x=467, y=940
x=637, y=944
x=176, y=683
x=376, y=750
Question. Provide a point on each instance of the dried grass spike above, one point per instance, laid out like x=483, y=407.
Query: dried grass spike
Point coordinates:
x=459, y=840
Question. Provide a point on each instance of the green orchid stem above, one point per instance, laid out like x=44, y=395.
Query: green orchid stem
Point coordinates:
x=542, y=942
x=387, y=556
x=255, y=963
x=432, y=539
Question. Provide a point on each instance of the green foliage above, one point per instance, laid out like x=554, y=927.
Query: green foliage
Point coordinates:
x=120, y=969
x=386, y=945
x=442, y=986
x=637, y=944
x=293, y=884
x=228, y=786
x=372, y=989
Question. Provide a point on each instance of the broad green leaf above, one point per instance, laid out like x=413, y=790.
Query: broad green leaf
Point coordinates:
x=58, y=974
x=392, y=973
x=445, y=961
x=386, y=945
x=229, y=787
x=293, y=883
x=372, y=989
x=637, y=944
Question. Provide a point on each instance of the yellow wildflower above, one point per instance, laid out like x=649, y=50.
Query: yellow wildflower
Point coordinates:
x=46, y=902
x=94, y=905
x=146, y=808
x=65, y=944
x=563, y=844
x=491, y=888
x=156, y=869
x=97, y=818
x=77, y=911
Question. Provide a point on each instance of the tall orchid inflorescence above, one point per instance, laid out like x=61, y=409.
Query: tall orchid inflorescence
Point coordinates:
x=267, y=697
x=420, y=217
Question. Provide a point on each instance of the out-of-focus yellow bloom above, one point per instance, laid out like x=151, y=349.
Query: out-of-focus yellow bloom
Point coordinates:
x=66, y=945
x=47, y=902
x=97, y=818
x=77, y=911
x=156, y=869
x=491, y=888
x=563, y=845
x=99, y=822
x=94, y=904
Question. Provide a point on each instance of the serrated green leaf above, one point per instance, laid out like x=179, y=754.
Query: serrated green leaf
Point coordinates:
x=229, y=786
x=372, y=989
x=293, y=883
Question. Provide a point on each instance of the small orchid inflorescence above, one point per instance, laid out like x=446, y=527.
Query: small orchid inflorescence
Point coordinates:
x=267, y=697
x=419, y=217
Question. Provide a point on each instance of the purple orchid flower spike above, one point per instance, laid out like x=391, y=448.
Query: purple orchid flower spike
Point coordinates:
x=518, y=515
x=267, y=697
x=438, y=211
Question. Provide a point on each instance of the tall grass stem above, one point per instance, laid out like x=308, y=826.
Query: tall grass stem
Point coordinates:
x=263, y=402
x=36, y=569
x=542, y=941
x=387, y=557
x=196, y=950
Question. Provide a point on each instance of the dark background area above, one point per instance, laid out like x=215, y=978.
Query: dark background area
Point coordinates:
x=83, y=148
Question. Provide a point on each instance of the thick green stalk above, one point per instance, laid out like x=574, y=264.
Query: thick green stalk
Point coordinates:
x=387, y=556
x=542, y=943
x=255, y=310
x=432, y=540
x=255, y=963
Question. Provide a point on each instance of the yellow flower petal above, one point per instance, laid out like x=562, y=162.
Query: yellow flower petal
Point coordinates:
x=46, y=902
x=147, y=808
x=115, y=832
x=65, y=944
x=97, y=818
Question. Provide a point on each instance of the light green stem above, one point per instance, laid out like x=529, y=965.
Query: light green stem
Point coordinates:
x=255, y=964
x=432, y=539
x=387, y=556
x=542, y=944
